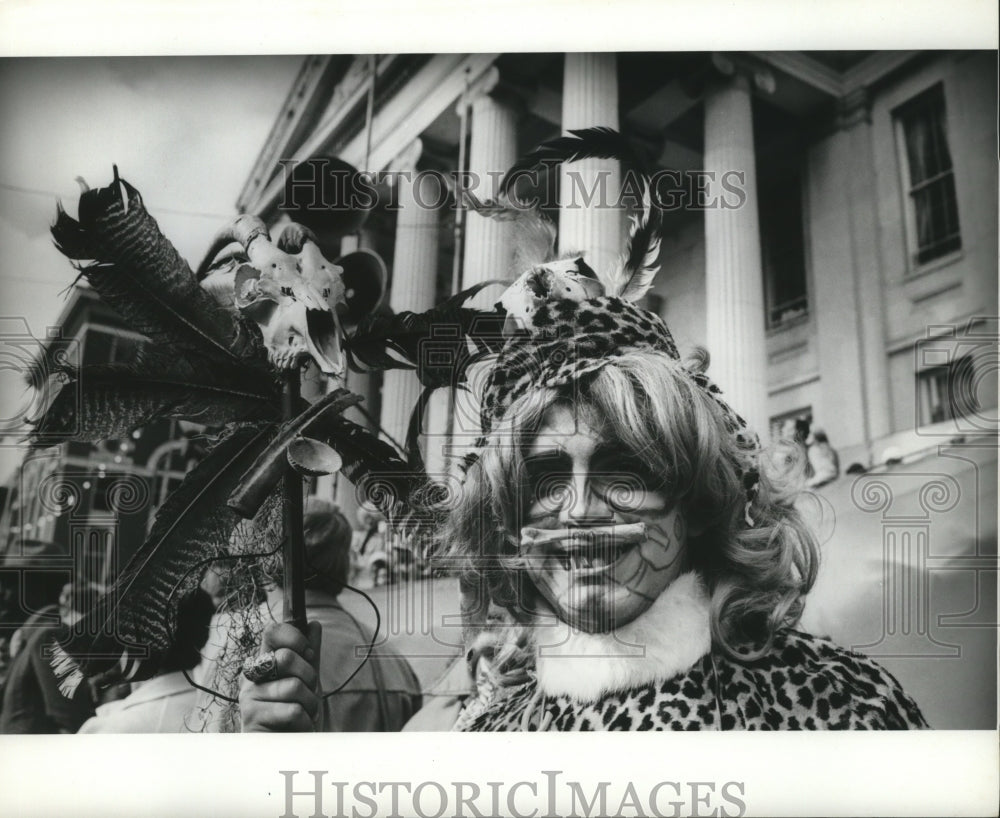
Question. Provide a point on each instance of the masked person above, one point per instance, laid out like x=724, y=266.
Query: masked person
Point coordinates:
x=622, y=512
x=654, y=574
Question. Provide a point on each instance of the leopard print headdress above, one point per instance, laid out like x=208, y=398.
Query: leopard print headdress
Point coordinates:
x=565, y=321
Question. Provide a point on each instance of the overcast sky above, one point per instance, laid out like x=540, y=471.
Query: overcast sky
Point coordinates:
x=183, y=131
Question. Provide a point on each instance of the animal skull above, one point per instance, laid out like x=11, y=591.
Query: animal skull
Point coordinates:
x=289, y=290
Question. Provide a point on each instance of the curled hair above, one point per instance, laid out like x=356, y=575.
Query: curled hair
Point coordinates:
x=757, y=575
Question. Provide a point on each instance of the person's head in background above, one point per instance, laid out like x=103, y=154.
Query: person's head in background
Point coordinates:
x=194, y=617
x=368, y=518
x=328, y=546
x=76, y=599
x=802, y=429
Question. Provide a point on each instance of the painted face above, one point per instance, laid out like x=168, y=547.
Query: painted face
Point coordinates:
x=600, y=534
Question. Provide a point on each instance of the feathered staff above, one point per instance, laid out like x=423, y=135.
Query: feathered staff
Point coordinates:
x=225, y=351
x=202, y=363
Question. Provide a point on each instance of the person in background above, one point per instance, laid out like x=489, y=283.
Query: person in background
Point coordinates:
x=32, y=702
x=384, y=693
x=801, y=438
x=379, y=694
x=29, y=594
x=161, y=704
x=370, y=563
x=823, y=460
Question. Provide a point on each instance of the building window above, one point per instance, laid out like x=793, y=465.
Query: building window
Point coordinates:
x=108, y=346
x=782, y=241
x=929, y=178
x=947, y=392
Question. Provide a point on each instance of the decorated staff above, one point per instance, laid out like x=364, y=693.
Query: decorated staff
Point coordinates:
x=293, y=294
x=226, y=351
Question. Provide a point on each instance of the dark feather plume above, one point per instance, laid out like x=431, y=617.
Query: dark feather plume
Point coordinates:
x=71, y=239
x=131, y=627
x=634, y=274
x=584, y=143
x=638, y=265
x=141, y=275
x=413, y=429
x=439, y=343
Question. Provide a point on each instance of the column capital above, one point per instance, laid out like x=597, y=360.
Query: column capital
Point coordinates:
x=731, y=68
x=491, y=86
x=854, y=108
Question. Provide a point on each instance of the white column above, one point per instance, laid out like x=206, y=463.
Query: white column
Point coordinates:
x=847, y=294
x=589, y=99
x=489, y=250
x=873, y=364
x=489, y=247
x=414, y=269
x=734, y=284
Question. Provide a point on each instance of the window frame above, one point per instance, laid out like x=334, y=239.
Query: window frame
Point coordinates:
x=923, y=98
x=774, y=326
x=940, y=380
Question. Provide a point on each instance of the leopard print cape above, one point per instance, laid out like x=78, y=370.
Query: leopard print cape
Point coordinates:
x=803, y=683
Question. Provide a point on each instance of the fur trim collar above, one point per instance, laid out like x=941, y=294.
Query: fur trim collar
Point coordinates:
x=666, y=640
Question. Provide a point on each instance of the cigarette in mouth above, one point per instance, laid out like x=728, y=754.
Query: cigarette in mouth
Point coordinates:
x=571, y=538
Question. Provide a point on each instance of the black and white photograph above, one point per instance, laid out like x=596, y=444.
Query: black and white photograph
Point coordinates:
x=443, y=392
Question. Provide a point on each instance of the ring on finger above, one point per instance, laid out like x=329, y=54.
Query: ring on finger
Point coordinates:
x=263, y=668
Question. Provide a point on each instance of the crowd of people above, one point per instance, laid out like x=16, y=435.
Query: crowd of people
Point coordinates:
x=377, y=692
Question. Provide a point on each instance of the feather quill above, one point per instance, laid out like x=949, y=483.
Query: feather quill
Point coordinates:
x=110, y=400
x=633, y=274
